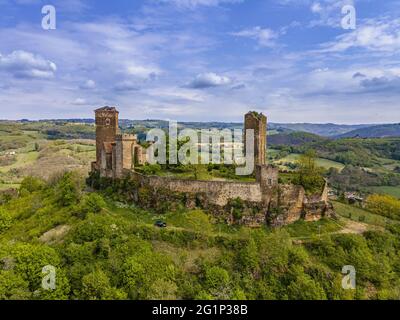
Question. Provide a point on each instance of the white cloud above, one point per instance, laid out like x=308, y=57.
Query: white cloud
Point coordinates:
x=80, y=102
x=329, y=12
x=175, y=94
x=375, y=35
x=143, y=71
x=196, y=3
x=264, y=37
x=70, y=6
x=208, y=80
x=23, y=64
x=316, y=7
x=89, y=84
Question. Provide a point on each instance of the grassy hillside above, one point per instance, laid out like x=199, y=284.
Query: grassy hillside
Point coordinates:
x=295, y=139
x=393, y=191
x=26, y=149
x=103, y=249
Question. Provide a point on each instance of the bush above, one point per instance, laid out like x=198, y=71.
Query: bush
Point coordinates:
x=151, y=169
x=216, y=278
x=96, y=286
x=31, y=184
x=305, y=288
x=384, y=205
x=92, y=202
x=237, y=208
x=309, y=175
x=68, y=189
x=5, y=220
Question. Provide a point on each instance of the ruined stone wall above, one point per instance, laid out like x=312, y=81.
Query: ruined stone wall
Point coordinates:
x=318, y=206
x=325, y=193
x=218, y=192
x=285, y=205
x=124, y=147
x=250, y=203
x=267, y=175
x=140, y=155
x=257, y=122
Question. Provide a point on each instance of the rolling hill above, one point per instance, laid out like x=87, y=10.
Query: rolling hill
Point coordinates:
x=295, y=139
x=379, y=131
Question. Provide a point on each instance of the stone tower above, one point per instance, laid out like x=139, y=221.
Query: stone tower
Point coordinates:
x=257, y=122
x=106, y=130
x=124, y=153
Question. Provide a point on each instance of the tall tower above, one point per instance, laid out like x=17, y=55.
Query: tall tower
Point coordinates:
x=257, y=122
x=106, y=129
x=124, y=153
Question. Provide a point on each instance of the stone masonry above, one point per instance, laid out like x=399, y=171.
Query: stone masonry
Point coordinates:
x=115, y=152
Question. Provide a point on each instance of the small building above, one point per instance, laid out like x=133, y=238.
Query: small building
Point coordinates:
x=353, y=197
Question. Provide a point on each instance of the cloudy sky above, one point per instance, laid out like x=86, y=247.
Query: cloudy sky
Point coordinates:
x=202, y=60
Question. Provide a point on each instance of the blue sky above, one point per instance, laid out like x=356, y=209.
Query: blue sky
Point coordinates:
x=202, y=60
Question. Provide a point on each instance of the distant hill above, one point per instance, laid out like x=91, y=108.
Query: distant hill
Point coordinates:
x=322, y=129
x=326, y=130
x=295, y=139
x=378, y=131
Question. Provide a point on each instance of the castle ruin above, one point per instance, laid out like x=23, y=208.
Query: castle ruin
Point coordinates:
x=263, y=201
x=115, y=152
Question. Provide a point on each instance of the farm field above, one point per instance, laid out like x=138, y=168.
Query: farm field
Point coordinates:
x=361, y=215
x=324, y=163
x=32, y=154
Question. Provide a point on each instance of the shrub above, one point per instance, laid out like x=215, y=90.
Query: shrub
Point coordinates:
x=68, y=189
x=32, y=184
x=93, y=202
x=216, y=278
x=96, y=286
x=384, y=205
x=237, y=208
x=5, y=220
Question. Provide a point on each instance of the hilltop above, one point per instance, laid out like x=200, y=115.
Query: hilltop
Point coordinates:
x=321, y=129
x=378, y=131
x=103, y=247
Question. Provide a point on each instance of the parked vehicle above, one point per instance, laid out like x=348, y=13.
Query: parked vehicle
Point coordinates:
x=160, y=224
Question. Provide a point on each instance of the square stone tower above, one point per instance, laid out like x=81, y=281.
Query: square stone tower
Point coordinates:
x=106, y=130
x=124, y=148
x=257, y=122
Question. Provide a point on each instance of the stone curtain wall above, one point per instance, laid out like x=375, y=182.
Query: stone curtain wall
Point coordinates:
x=218, y=192
x=278, y=205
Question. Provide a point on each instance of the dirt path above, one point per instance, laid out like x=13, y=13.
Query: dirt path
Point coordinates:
x=351, y=227
x=354, y=227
